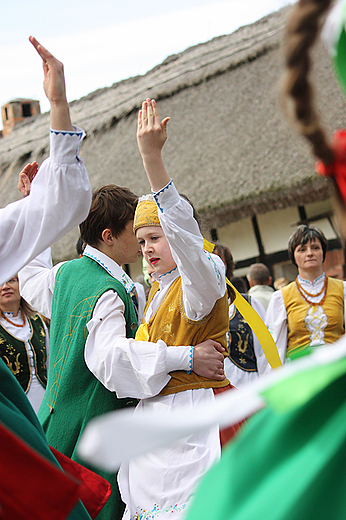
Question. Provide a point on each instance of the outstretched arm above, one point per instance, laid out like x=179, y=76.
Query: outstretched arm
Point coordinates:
x=54, y=88
x=202, y=275
x=151, y=136
x=60, y=195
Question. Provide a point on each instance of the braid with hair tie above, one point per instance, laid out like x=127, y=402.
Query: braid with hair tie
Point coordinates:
x=303, y=28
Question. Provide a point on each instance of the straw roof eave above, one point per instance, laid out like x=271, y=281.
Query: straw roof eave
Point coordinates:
x=219, y=215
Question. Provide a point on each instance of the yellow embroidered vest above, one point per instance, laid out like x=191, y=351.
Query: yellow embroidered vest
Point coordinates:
x=301, y=315
x=171, y=324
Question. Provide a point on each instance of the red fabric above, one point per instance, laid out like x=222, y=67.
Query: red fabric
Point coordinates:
x=337, y=168
x=31, y=487
x=227, y=433
x=94, y=490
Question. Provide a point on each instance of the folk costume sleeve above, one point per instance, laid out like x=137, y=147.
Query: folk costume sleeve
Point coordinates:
x=59, y=200
x=37, y=281
x=131, y=368
x=202, y=273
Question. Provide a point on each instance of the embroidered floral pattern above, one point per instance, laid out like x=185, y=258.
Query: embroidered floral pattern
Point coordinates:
x=214, y=264
x=316, y=321
x=308, y=281
x=142, y=514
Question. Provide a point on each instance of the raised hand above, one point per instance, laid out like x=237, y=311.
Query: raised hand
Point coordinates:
x=151, y=136
x=26, y=177
x=54, y=79
x=151, y=132
x=208, y=360
x=54, y=88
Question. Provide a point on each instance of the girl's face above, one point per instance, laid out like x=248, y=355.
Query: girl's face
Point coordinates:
x=309, y=256
x=155, y=248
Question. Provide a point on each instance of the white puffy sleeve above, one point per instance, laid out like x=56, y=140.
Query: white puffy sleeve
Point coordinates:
x=36, y=282
x=202, y=273
x=130, y=368
x=59, y=200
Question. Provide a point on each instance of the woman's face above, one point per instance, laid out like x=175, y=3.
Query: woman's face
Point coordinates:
x=309, y=256
x=9, y=295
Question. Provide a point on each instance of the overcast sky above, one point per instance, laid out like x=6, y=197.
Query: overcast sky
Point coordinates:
x=105, y=41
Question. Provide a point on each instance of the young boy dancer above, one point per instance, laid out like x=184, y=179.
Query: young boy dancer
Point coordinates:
x=187, y=304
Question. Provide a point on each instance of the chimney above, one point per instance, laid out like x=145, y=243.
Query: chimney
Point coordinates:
x=16, y=111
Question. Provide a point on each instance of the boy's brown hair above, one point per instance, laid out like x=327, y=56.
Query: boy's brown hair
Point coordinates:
x=112, y=207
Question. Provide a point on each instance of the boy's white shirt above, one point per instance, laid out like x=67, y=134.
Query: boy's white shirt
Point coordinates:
x=135, y=369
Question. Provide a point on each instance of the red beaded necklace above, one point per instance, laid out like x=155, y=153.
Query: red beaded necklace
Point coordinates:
x=14, y=324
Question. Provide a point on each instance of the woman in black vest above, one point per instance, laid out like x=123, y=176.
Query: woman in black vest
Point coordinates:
x=23, y=342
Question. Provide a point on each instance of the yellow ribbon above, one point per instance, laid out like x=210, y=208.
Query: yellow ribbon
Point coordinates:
x=142, y=333
x=255, y=322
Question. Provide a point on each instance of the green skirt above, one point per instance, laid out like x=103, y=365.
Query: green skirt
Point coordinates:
x=288, y=465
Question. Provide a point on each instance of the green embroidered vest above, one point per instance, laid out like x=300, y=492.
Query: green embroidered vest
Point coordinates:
x=15, y=353
x=73, y=395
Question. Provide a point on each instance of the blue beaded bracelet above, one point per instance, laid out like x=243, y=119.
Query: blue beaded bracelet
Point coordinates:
x=191, y=360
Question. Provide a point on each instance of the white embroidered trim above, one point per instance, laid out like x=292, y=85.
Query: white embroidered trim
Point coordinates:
x=308, y=281
x=148, y=196
x=125, y=279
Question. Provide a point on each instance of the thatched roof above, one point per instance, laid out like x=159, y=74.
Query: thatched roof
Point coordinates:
x=229, y=148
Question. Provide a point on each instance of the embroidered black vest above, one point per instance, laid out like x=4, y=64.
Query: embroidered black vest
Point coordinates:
x=15, y=354
x=241, y=348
